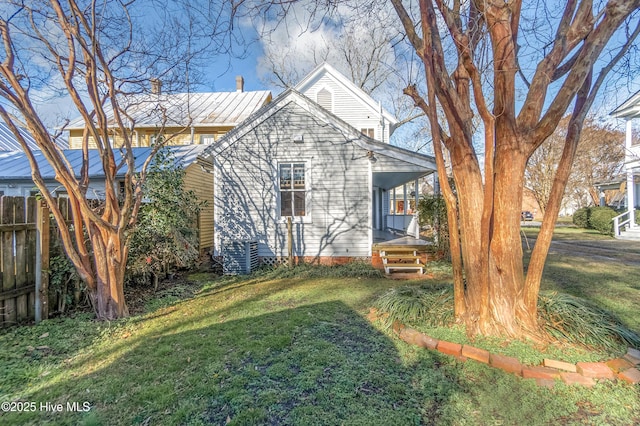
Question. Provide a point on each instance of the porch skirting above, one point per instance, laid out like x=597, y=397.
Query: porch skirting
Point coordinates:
x=313, y=260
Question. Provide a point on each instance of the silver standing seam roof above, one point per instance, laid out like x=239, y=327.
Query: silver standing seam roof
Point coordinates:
x=8, y=140
x=182, y=109
x=14, y=166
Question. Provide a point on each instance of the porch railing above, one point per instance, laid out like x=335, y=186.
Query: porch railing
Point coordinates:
x=622, y=221
x=404, y=223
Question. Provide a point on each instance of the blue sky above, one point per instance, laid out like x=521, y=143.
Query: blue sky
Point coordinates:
x=220, y=76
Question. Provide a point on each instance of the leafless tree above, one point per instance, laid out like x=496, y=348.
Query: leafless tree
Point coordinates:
x=599, y=158
x=365, y=47
x=97, y=52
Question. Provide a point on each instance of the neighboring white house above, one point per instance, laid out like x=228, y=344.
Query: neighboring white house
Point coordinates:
x=630, y=111
x=296, y=159
x=338, y=95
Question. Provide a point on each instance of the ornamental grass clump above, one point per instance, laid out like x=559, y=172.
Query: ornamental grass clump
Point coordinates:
x=429, y=305
x=569, y=318
x=563, y=317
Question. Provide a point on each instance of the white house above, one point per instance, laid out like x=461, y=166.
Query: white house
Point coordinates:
x=625, y=225
x=338, y=95
x=296, y=159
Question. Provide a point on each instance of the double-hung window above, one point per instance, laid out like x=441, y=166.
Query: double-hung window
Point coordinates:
x=293, y=189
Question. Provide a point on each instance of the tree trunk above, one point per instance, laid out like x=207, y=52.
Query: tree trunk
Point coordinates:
x=506, y=273
x=110, y=262
x=468, y=181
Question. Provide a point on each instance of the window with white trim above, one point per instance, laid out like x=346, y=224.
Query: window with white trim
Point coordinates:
x=292, y=182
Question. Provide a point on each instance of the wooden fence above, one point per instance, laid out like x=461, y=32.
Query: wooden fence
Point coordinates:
x=24, y=260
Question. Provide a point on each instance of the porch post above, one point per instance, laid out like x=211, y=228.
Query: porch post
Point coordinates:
x=416, y=213
x=630, y=183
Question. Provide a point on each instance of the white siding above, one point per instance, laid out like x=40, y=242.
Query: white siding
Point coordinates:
x=348, y=107
x=246, y=188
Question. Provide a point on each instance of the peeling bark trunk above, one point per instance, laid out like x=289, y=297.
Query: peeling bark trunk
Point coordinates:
x=110, y=262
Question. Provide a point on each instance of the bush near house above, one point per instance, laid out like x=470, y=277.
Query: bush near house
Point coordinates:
x=166, y=235
x=597, y=218
x=432, y=212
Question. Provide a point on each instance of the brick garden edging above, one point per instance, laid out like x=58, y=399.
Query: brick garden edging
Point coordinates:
x=626, y=368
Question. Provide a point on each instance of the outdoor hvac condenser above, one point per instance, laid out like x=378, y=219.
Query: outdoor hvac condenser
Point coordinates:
x=239, y=257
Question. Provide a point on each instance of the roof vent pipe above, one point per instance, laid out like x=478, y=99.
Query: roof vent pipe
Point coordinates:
x=239, y=84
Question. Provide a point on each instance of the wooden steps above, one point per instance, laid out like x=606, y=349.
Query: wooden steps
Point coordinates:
x=400, y=258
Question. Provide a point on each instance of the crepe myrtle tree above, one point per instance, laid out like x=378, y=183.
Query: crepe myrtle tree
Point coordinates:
x=520, y=71
x=97, y=52
x=496, y=296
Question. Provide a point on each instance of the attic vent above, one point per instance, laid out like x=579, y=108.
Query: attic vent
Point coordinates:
x=325, y=99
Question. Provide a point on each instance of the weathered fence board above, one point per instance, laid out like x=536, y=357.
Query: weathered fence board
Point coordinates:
x=18, y=259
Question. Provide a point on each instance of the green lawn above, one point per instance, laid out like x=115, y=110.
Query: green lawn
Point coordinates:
x=567, y=233
x=273, y=349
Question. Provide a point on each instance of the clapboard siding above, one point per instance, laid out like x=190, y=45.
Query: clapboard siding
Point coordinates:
x=347, y=106
x=246, y=188
x=201, y=183
x=143, y=136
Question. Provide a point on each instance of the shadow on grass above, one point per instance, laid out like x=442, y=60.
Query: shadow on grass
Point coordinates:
x=612, y=286
x=301, y=363
x=315, y=364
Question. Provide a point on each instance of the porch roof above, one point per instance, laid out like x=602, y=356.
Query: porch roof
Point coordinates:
x=393, y=166
x=629, y=108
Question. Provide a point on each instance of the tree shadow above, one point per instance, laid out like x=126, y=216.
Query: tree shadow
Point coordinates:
x=247, y=195
x=314, y=364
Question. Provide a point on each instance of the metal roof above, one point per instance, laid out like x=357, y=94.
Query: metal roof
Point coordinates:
x=14, y=166
x=182, y=109
x=8, y=141
x=292, y=95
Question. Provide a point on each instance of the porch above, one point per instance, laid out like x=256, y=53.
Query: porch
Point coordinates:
x=392, y=252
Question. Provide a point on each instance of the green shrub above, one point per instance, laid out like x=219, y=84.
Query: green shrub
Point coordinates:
x=600, y=219
x=581, y=217
x=166, y=236
x=432, y=212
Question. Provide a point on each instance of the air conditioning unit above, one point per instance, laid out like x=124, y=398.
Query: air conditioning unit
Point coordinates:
x=239, y=257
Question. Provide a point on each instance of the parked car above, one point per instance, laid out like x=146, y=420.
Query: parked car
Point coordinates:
x=526, y=215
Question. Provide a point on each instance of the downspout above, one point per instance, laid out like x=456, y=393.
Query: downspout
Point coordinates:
x=382, y=123
x=370, y=204
x=193, y=130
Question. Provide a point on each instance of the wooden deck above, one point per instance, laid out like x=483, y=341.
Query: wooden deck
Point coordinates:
x=386, y=240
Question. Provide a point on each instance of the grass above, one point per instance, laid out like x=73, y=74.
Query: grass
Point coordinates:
x=279, y=347
x=567, y=233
